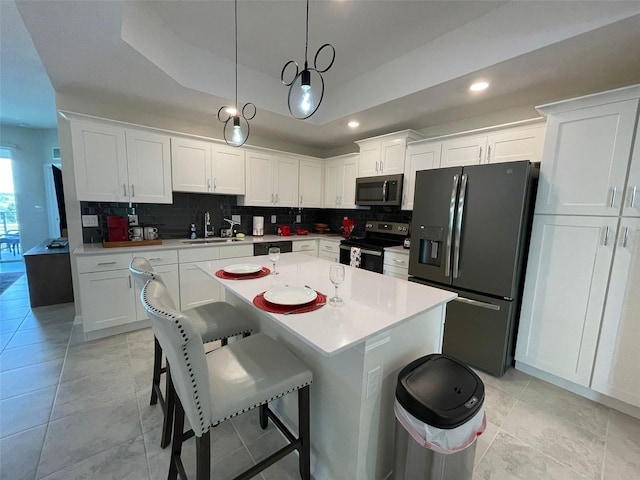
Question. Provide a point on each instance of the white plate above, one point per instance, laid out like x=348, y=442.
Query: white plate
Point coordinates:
x=290, y=295
x=242, y=268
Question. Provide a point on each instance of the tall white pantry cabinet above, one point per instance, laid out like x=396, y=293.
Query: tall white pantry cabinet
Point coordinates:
x=580, y=319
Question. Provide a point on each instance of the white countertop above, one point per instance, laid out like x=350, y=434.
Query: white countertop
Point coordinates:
x=373, y=302
x=97, y=248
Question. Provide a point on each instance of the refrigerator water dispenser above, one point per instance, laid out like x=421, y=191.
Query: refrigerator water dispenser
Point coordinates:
x=430, y=245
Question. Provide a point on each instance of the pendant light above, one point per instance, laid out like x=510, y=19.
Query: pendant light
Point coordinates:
x=236, y=126
x=306, y=90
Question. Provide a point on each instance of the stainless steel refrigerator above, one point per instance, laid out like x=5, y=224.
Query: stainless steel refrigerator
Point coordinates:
x=470, y=234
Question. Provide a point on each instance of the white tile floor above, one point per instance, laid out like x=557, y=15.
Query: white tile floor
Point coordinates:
x=71, y=410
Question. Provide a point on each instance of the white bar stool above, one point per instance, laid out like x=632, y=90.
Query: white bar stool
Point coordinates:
x=213, y=321
x=225, y=383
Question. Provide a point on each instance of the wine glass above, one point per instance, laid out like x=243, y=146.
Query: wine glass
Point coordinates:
x=336, y=275
x=274, y=256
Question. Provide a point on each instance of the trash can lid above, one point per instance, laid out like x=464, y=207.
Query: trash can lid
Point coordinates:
x=440, y=390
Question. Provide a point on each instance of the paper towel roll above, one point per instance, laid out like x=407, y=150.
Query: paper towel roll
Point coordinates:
x=258, y=226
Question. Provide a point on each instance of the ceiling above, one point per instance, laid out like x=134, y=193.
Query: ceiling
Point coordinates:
x=399, y=64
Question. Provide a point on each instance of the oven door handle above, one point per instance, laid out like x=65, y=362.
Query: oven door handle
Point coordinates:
x=363, y=250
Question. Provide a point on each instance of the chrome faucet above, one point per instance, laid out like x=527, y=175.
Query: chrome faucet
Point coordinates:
x=207, y=225
x=232, y=223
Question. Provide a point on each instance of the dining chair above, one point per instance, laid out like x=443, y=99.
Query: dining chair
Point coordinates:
x=227, y=382
x=215, y=321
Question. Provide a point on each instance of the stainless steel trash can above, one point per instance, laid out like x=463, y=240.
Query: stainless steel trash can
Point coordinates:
x=439, y=414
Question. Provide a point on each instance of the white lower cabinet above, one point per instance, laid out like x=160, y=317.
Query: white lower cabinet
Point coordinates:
x=107, y=299
x=196, y=287
x=396, y=264
x=308, y=247
x=615, y=372
x=329, y=250
x=564, y=294
x=108, y=294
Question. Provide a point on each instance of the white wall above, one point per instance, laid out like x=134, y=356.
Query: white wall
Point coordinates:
x=33, y=148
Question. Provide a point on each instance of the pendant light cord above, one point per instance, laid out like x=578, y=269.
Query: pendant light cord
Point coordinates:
x=306, y=42
x=236, y=33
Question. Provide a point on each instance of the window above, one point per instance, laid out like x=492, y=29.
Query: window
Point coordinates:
x=8, y=214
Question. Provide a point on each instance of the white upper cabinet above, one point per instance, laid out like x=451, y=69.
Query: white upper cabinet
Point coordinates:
x=204, y=167
x=120, y=165
x=504, y=145
x=227, y=170
x=564, y=294
x=423, y=155
x=340, y=181
x=384, y=155
x=586, y=156
x=191, y=164
x=115, y=164
x=467, y=150
x=310, y=184
x=271, y=180
x=100, y=162
x=514, y=144
x=149, y=167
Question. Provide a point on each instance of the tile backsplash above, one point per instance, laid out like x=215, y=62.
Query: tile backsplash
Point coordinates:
x=173, y=220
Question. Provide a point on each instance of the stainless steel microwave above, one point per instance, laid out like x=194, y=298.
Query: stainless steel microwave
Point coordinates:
x=380, y=190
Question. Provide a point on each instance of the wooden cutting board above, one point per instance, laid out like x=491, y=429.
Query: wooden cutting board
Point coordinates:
x=128, y=243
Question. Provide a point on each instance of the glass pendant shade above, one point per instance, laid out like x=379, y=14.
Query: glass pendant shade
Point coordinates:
x=236, y=132
x=305, y=94
x=306, y=89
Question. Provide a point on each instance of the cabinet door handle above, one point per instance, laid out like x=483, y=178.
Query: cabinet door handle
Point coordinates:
x=606, y=236
x=328, y=247
x=156, y=259
x=300, y=199
x=625, y=238
x=215, y=183
x=277, y=200
x=401, y=262
x=480, y=155
x=106, y=263
x=488, y=153
x=208, y=184
x=124, y=189
x=381, y=166
x=633, y=196
x=272, y=198
x=376, y=167
x=129, y=281
x=133, y=191
x=614, y=194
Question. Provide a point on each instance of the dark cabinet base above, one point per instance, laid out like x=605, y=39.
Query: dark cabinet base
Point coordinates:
x=48, y=275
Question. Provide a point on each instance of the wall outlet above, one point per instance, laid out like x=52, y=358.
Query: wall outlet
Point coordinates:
x=236, y=218
x=273, y=219
x=298, y=218
x=89, y=220
x=374, y=381
x=133, y=220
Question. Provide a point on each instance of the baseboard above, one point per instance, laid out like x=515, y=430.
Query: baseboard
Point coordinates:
x=605, y=400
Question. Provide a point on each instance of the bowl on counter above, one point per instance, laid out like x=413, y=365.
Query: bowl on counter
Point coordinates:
x=320, y=227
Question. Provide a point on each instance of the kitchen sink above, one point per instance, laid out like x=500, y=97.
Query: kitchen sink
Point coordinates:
x=202, y=241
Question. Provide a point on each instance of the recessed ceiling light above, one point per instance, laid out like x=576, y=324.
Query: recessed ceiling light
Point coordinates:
x=478, y=86
x=353, y=124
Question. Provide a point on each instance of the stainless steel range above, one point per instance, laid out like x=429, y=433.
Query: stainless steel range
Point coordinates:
x=378, y=236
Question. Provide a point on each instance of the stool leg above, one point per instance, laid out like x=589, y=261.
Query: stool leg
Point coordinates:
x=264, y=419
x=157, y=370
x=203, y=456
x=170, y=403
x=304, y=433
x=176, y=446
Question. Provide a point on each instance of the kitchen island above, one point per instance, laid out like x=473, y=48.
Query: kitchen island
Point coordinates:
x=355, y=352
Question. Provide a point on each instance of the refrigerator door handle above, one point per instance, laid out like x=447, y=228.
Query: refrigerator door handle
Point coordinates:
x=477, y=303
x=456, y=251
x=452, y=209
